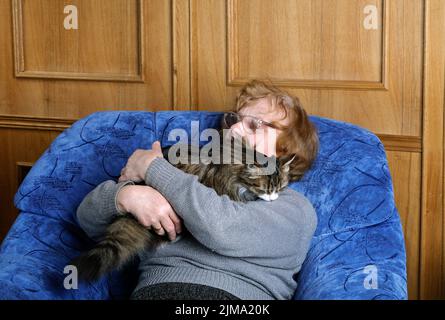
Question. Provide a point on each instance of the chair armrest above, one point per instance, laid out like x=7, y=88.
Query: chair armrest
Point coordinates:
x=365, y=264
x=33, y=257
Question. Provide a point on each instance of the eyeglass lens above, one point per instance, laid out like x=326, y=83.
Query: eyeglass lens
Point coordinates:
x=250, y=124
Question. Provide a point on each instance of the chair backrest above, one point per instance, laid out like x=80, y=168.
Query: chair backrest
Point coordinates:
x=349, y=176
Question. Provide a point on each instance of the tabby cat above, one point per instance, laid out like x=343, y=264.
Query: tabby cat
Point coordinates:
x=126, y=237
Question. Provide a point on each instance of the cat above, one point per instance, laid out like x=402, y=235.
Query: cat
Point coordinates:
x=126, y=237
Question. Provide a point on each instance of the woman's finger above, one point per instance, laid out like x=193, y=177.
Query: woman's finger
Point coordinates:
x=169, y=227
x=157, y=228
x=176, y=221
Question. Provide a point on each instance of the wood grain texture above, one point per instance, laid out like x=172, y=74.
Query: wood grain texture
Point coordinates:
x=432, y=233
x=209, y=87
x=405, y=170
x=107, y=46
x=401, y=143
x=181, y=54
x=78, y=98
x=319, y=56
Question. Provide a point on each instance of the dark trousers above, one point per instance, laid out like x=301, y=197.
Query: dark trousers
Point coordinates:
x=181, y=291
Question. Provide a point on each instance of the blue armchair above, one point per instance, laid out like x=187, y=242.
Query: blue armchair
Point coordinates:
x=357, y=251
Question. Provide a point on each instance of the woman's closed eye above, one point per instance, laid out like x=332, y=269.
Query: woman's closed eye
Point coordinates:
x=254, y=124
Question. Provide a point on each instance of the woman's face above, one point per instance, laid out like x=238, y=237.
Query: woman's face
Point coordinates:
x=264, y=139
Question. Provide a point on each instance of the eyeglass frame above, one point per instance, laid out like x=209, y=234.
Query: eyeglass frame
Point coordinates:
x=259, y=120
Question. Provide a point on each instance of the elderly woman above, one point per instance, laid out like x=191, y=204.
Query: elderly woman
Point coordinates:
x=226, y=249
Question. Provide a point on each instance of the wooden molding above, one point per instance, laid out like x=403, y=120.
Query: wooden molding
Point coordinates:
x=20, y=65
x=35, y=123
x=234, y=79
x=432, y=215
x=315, y=84
x=401, y=143
x=79, y=76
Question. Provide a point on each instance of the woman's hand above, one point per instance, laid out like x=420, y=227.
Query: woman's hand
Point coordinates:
x=150, y=208
x=138, y=163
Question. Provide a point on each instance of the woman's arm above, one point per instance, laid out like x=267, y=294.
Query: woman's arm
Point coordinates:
x=109, y=200
x=253, y=229
x=99, y=208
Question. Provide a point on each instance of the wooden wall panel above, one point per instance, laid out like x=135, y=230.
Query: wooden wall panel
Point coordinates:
x=405, y=170
x=319, y=56
x=394, y=110
x=17, y=146
x=107, y=45
x=111, y=41
x=432, y=266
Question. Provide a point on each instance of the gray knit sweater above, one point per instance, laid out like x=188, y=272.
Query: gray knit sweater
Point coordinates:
x=251, y=250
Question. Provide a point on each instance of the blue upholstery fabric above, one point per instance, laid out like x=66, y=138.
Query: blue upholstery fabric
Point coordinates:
x=349, y=185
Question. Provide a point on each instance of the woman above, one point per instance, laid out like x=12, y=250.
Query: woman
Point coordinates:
x=227, y=250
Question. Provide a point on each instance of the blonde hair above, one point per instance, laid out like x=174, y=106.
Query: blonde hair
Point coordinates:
x=298, y=138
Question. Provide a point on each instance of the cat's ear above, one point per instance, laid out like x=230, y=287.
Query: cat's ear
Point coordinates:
x=253, y=171
x=286, y=161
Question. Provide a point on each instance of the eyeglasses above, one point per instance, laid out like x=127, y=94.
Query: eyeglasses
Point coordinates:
x=250, y=123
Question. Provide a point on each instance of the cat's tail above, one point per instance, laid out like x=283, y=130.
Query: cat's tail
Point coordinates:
x=124, y=239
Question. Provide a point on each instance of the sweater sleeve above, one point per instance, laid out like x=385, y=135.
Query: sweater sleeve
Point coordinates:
x=257, y=229
x=99, y=208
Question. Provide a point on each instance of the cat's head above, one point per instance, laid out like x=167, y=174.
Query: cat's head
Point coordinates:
x=267, y=186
